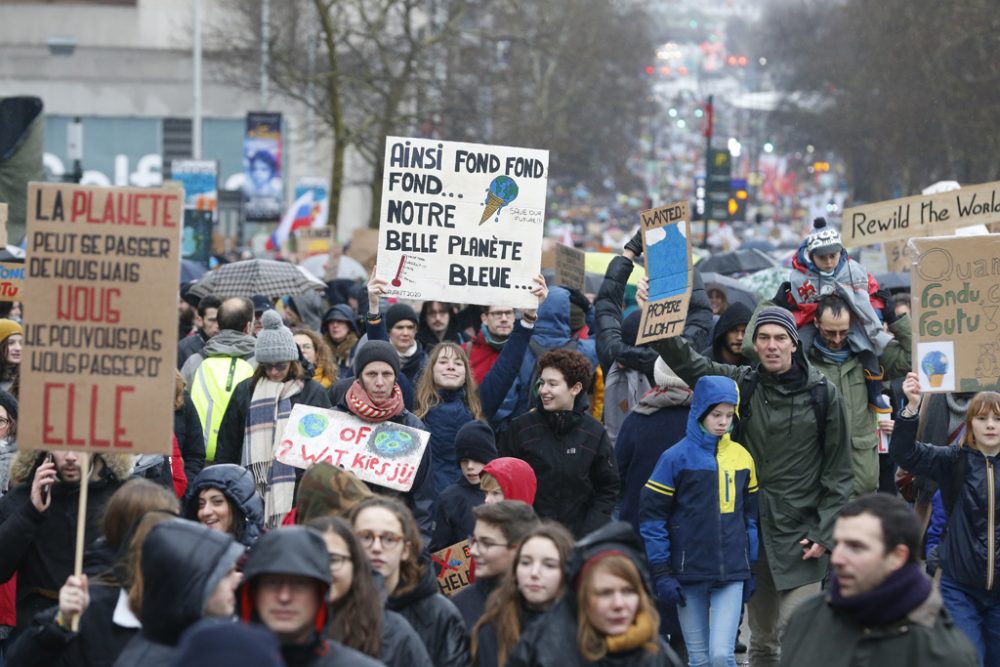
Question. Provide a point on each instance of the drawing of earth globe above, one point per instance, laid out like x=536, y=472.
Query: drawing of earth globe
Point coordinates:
x=389, y=443
x=313, y=425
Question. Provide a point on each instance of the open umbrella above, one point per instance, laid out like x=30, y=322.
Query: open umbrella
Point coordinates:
x=191, y=271
x=764, y=283
x=348, y=267
x=257, y=276
x=894, y=281
x=736, y=292
x=737, y=261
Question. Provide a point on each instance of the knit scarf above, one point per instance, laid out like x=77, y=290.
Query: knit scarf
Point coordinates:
x=342, y=350
x=658, y=398
x=269, y=409
x=902, y=591
x=364, y=406
x=838, y=357
x=493, y=342
x=640, y=633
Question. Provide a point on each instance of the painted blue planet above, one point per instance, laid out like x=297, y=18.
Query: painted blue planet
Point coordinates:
x=313, y=425
x=502, y=191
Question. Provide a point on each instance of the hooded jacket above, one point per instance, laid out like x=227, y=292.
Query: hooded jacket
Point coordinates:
x=734, y=316
x=435, y=619
x=516, y=479
x=310, y=308
x=698, y=511
x=237, y=485
x=39, y=546
x=552, y=642
x=453, y=518
x=190, y=437
x=226, y=343
x=182, y=563
x=574, y=465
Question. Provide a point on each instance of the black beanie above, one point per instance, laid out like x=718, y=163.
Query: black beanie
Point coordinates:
x=376, y=350
x=630, y=328
x=475, y=441
x=399, y=312
x=9, y=403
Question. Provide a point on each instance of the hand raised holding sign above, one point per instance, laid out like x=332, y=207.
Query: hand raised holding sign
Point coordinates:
x=540, y=290
x=642, y=291
x=376, y=290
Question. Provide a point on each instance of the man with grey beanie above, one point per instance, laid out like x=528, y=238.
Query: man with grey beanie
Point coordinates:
x=793, y=422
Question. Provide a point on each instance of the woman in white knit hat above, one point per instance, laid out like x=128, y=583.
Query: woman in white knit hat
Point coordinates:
x=258, y=411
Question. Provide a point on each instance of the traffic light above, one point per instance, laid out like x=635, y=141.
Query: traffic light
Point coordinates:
x=737, y=204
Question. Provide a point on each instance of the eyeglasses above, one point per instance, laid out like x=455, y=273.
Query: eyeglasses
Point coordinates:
x=337, y=561
x=388, y=540
x=4, y=421
x=501, y=314
x=283, y=366
x=485, y=544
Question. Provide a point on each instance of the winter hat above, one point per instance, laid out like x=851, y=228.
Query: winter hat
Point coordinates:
x=664, y=374
x=341, y=313
x=399, y=312
x=630, y=328
x=781, y=317
x=376, y=350
x=8, y=403
x=212, y=642
x=824, y=240
x=8, y=328
x=186, y=295
x=261, y=303
x=326, y=490
x=274, y=342
x=475, y=440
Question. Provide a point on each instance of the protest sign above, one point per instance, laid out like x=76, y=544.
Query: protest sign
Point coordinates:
x=315, y=241
x=922, y=215
x=668, y=264
x=453, y=567
x=364, y=247
x=100, y=337
x=569, y=266
x=3, y=225
x=897, y=256
x=12, y=281
x=956, y=312
x=457, y=215
x=387, y=454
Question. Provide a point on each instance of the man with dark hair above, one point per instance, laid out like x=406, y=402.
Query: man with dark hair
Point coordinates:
x=567, y=448
x=207, y=322
x=500, y=527
x=728, y=336
x=485, y=348
x=880, y=607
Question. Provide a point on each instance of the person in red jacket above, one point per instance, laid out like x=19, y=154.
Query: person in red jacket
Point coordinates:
x=508, y=478
x=485, y=348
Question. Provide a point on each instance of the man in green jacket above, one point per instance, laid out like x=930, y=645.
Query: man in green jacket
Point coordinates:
x=880, y=608
x=805, y=478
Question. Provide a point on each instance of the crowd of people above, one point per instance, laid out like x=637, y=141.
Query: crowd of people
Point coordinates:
x=621, y=504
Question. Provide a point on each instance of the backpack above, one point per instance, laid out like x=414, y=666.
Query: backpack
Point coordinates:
x=211, y=389
x=819, y=397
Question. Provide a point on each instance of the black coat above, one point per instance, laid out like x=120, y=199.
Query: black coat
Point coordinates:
x=230, y=444
x=608, y=306
x=324, y=653
x=97, y=644
x=435, y=619
x=574, y=462
x=453, y=519
x=189, y=345
x=471, y=601
x=488, y=644
x=39, y=546
x=190, y=438
x=401, y=645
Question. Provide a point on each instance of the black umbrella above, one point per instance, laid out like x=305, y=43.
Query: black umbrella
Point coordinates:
x=737, y=261
x=894, y=281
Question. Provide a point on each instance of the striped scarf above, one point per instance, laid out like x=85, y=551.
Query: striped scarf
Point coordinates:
x=269, y=409
x=362, y=405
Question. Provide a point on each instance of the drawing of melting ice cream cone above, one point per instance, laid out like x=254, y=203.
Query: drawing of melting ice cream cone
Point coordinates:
x=935, y=367
x=503, y=190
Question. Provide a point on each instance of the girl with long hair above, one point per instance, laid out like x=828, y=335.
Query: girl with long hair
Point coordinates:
x=534, y=585
x=11, y=345
x=388, y=533
x=315, y=351
x=359, y=620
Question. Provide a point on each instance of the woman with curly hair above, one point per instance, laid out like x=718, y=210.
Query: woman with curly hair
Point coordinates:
x=315, y=350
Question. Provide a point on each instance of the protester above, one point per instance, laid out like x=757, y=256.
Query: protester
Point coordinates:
x=305, y=310
x=285, y=586
x=968, y=553
x=728, y=336
x=102, y=601
x=340, y=330
x=499, y=530
x=375, y=397
x=11, y=345
x=568, y=449
x=38, y=520
x=188, y=572
x=317, y=354
x=187, y=429
x=880, y=608
x=437, y=325
x=359, y=618
x=475, y=447
x=389, y=535
x=793, y=423
x=485, y=348
x=212, y=643
x=701, y=553
x=608, y=615
x=401, y=327
x=206, y=322
x=258, y=411
x=8, y=438
x=224, y=498
x=508, y=478
x=326, y=490
x=537, y=582
x=212, y=374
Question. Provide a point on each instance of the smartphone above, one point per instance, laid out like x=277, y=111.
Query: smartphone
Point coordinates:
x=47, y=489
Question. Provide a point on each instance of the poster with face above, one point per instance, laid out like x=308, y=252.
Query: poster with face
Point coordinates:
x=263, y=188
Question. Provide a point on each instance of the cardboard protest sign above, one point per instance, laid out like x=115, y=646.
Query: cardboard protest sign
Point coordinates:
x=364, y=247
x=100, y=337
x=667, y=246
x=453, y=567
x=570, y=266
x=12, y=281
x=387, y=454
x=897, y=256
x=316, y=241
x=922, y=215
x=457, y=215
x=955, y=284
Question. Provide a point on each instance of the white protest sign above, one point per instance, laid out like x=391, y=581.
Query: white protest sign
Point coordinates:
x=461, y=222
x=386, y=454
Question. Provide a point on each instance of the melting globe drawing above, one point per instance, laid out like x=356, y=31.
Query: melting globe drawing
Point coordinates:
x=393, y=443
x=503, y=190
x=312, y=426
x=935, y=366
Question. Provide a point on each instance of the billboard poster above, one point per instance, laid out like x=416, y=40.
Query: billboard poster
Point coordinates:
x=200, y=179
x=263, y=188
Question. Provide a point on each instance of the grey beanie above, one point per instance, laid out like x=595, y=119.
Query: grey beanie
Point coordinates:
x=376, y=350
x=274, y=342
x=781, y=317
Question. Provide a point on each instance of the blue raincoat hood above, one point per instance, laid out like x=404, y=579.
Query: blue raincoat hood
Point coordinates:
x=709, y=390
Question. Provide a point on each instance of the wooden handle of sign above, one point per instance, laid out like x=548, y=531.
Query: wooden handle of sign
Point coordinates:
x=81, y=525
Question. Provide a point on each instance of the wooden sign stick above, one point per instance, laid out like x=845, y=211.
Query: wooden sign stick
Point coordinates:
x=81, y=524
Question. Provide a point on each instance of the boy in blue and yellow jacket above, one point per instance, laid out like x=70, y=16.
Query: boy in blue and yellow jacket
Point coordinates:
x=698, y=517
